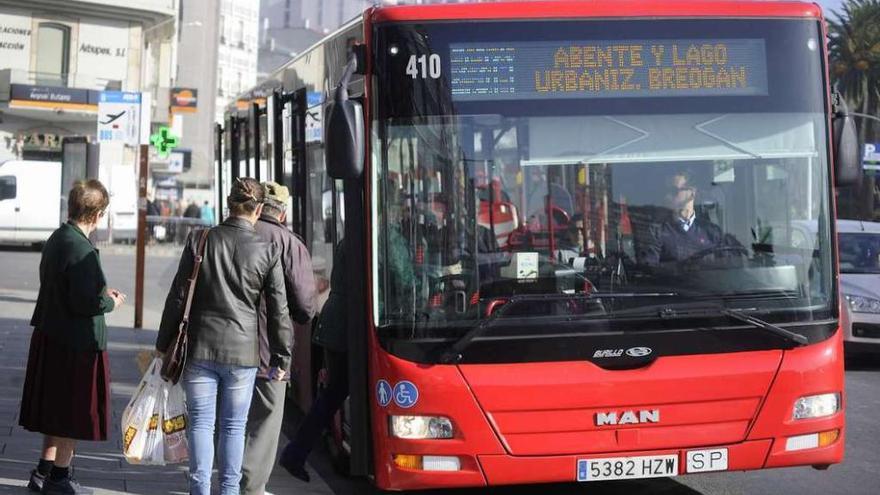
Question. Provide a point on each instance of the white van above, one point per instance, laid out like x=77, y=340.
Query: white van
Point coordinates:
x=30, y=201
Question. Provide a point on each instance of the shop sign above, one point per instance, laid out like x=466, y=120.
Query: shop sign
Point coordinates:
x=104, y=45
x=15, y=41
x=119, y=117
x=28, y=96
x=39, y=141
x=871, y=156
x=184, y=100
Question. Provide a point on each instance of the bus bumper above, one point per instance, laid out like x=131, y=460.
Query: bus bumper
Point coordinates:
x=515, y=470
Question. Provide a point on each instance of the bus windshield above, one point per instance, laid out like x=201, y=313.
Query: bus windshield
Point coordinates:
x=654, y=162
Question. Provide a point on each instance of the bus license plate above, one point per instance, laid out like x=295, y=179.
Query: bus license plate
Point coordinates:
x=626, y=468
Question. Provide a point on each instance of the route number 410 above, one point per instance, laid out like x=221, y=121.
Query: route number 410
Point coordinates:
x=423, y=67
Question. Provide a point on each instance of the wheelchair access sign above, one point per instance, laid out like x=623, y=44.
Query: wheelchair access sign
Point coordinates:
x=405, y=394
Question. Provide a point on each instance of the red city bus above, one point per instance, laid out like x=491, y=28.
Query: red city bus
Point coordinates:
x=569, y=235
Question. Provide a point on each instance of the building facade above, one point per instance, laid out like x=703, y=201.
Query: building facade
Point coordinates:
x=56, y=59
x=56, y=56
x=287, y=27
x=194, y=98
x=237, y=50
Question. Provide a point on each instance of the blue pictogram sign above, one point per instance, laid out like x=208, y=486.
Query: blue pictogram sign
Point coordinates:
x=383, y=393
x=406, y=394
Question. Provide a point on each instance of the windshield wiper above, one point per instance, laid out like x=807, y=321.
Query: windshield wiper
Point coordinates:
x=766, y=325
x=740, y=315
x=453, y=353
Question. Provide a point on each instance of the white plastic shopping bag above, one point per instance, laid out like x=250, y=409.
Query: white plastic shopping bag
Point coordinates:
x=154, y=453
x=137, y=444
x=174, y=425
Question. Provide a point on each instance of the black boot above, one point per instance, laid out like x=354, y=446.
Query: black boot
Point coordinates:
x=39, y=475
x=60, y=482
x=35, y=484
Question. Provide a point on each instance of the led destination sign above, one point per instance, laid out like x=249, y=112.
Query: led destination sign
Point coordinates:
x=608, y=69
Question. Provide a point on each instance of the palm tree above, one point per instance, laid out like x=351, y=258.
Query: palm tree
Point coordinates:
x=854, y=45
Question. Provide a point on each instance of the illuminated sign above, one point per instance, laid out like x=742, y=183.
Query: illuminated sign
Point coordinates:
x=164, y=141
x=608, y=69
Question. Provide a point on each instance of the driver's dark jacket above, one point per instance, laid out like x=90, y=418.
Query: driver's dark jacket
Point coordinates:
x=668, y=241
x=238, y=267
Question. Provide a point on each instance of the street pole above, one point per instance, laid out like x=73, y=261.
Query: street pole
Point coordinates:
x=144, y=156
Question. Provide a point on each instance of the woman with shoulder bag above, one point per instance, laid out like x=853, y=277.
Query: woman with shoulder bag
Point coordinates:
x=66, y=394
x=222, y=355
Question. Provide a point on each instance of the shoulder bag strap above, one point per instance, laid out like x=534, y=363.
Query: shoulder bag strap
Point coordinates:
x=195, y=274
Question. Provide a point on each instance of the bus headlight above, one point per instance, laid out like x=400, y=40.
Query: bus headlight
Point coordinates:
x=816, y=406
x=862, y=304
x=420, y=427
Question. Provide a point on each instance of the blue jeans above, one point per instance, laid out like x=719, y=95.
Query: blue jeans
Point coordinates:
x=203, y=380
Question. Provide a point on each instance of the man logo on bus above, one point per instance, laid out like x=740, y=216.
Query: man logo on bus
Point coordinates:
x=638, y=351
x=627, y=417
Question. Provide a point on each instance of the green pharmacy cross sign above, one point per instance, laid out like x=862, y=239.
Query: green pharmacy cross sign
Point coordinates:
x=164, y=141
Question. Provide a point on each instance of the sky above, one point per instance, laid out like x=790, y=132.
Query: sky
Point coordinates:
x=830, y=5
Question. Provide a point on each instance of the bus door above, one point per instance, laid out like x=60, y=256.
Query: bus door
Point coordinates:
x=247, y=146
x=220, y=179
x=275, y=142
x=233, y=147
x=258, y=123
x=299, y=170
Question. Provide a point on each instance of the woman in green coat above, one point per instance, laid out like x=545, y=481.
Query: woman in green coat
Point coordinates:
x=66, y=394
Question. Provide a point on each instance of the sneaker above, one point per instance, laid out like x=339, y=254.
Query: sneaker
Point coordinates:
x=67, y=486
x=36, y=482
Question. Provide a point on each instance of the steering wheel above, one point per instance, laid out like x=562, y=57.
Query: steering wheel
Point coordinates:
x=743, y=252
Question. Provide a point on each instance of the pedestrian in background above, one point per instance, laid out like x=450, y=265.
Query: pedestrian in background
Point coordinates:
x=152, y=212
x=192, y=211
x=332, y=336
x=207, y=214
x=267, y=405
x=239, y=269
x=66, y=394
x=181, y=231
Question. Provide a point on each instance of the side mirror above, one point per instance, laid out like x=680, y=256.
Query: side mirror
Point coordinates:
x=344, y=131
x=344, y=140
x=847, y=159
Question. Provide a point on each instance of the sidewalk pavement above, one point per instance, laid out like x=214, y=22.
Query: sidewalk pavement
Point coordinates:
x=98, y=465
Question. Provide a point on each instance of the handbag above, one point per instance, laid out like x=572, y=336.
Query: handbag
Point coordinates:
x=175, y=357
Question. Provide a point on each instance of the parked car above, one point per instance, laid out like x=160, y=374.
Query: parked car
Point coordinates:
x=860, y=284
x=30, y=201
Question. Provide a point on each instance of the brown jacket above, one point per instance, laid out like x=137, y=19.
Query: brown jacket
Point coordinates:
x=299, y=280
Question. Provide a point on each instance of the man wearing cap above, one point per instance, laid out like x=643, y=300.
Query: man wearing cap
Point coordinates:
x=267, y=406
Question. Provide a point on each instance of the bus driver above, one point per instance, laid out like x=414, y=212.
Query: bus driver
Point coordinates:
x=682, y=236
